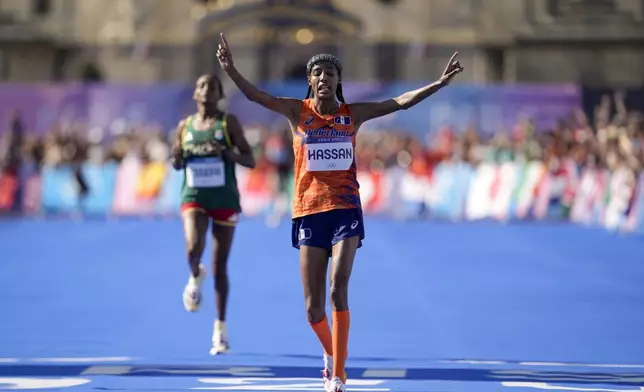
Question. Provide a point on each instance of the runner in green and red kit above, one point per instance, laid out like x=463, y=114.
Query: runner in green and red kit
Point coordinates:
x=209, y=145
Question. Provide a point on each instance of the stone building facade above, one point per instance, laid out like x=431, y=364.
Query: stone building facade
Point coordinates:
x=594, y=42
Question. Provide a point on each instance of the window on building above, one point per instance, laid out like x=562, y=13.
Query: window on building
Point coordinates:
x=387, y=58
x=41, y=7
x=4, y=69
x=91, y=73
x=495, y=64
x=296, y=72
x=388, y=2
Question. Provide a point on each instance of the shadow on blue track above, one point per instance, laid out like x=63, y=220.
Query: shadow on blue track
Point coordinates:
x=414, y=374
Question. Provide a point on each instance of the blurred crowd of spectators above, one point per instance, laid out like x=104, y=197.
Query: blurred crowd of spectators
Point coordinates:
x=612, y=137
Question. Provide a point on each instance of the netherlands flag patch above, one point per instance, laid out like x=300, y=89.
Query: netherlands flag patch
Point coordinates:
x=343, y=120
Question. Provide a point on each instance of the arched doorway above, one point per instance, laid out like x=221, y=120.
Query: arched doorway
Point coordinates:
x=278, y=18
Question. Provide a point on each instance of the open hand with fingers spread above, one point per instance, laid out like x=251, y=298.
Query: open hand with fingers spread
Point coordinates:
x=453, y=68
x=223, y=54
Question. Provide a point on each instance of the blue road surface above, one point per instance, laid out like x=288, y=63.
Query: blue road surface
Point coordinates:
x=96, y=306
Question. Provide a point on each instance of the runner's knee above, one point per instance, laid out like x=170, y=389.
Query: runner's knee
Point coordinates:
x=314, y=314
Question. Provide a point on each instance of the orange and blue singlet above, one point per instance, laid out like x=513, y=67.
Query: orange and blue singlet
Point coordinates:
x=325, y=167
x=326, y=186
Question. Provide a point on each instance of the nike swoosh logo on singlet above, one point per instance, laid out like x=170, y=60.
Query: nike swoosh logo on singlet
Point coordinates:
x=303, y=136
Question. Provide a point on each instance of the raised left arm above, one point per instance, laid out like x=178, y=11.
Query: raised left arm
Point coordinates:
x=245, y=155
x=362, y=112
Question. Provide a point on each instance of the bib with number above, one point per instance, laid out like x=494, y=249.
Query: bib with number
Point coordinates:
x=205, y=173
x=329, y=155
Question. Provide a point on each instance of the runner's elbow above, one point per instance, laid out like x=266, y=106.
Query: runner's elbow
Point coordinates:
x=177, y=164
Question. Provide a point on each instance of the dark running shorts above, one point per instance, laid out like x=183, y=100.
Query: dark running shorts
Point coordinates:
x=221, y=216
x=325, y=229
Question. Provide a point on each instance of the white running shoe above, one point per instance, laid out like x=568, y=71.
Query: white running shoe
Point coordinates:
x=219, y=339
x=192, y=291
x=326, y=372
x=336, y=385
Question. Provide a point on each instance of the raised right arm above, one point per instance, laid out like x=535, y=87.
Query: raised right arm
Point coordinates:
x=288, y=107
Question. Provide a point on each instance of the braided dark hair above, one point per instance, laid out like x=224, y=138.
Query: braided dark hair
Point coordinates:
x=318, y=58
